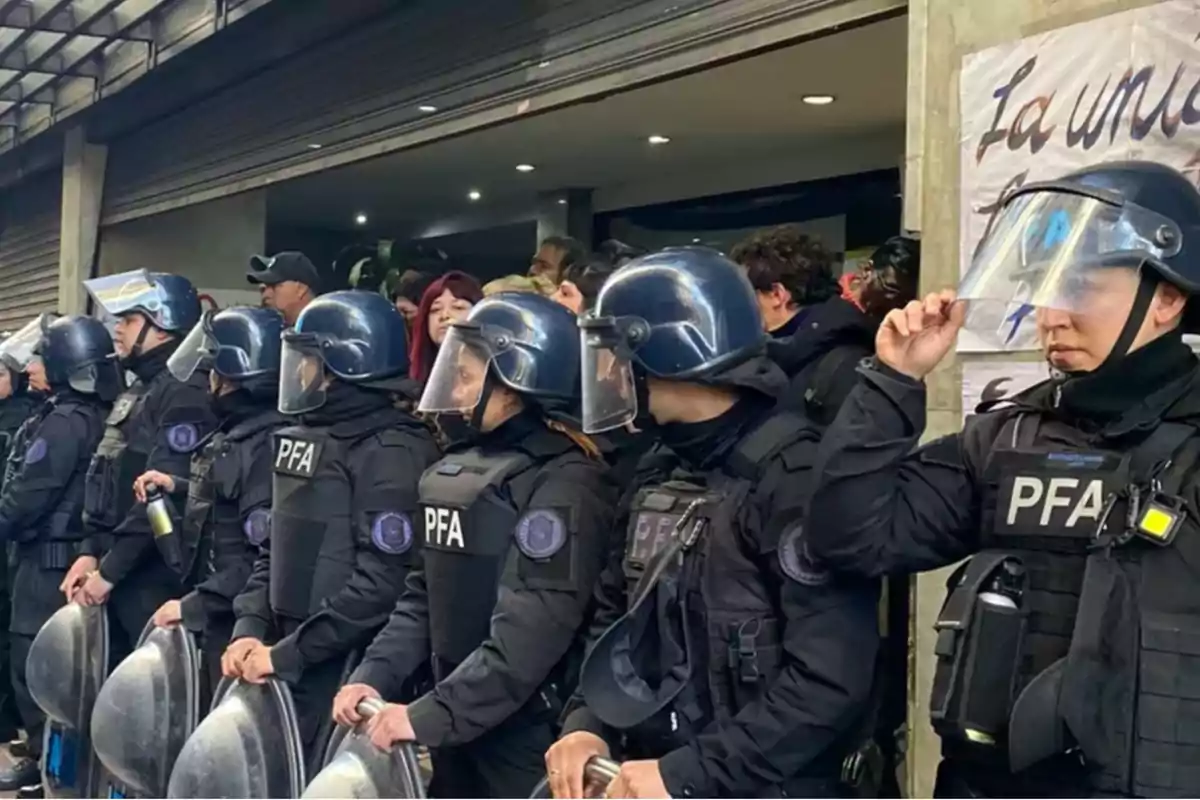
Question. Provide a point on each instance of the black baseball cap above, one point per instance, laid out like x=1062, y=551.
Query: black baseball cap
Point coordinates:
x=285, y=266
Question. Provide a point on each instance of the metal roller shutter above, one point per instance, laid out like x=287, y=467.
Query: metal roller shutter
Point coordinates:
x=30, y=231
x=479, y=63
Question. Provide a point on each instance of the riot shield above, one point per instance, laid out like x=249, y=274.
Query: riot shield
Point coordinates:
x=356, y=768
x=146, y=710
x=248, y=746
x=67, y=664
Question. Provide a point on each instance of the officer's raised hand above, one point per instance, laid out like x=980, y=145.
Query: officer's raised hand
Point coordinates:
x=565, y=762
x=638, y=779
x=152, y=478
x=912, y=340
x=389, y=726
x=345, y=705
x=77, y=575
x=168, y=614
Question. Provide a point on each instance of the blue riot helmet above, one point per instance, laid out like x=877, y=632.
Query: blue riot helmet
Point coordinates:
x=240, y=343
x=524, y=341
x=1085, y=244
x=686, y=314
x=168, y=302
x=352, y=336
x=77, y=352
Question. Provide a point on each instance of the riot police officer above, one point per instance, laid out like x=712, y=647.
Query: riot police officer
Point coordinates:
x=344, y=496
x=724, y=663
x=18, y=402
x=41, y=510
x=155, y=424
x=226, y=498
x=516, y=521
x=1065, y=655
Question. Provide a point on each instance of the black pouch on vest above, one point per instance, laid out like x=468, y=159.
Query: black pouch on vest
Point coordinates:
x=979, y=634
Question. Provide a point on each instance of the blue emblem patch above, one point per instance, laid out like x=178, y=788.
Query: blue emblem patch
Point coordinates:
x=541, y=533
x=36, y=451
x=795, y=561
x=182, y=438
x=392, y=532
x=257, y=526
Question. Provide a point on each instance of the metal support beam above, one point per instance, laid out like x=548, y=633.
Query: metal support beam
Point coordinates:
x=84, y=165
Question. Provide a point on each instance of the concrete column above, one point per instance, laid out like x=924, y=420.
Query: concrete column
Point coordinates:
x=83, y=192
x=566, y=212
x=941, y=32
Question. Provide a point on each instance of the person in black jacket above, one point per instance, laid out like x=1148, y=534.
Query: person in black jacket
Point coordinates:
x=226, y=498
x=18, y=401
x=343, y=506
x=155, y=424
x=722, y=661
x=41, y=509
x=517, y=521
x=1066, y=659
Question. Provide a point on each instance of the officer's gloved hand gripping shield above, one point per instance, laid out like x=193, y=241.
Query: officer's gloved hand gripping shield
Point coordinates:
x=1065, y=247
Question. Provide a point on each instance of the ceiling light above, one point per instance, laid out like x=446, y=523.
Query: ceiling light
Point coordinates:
x=544, y=64
x=360, y=218
x=562, y=201
x=474, y=195
x=426, y=109
x=695, y=241
x=657, y=139
x=314, y=146
x=817, y=99
x=525, y=168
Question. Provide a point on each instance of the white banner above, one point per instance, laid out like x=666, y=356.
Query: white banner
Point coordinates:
x=995, y=380
x=1120, y=87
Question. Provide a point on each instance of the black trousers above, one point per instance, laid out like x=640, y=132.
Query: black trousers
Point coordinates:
x=507, y=761
x=35, y=598
x=313, y=695
x=133, y=602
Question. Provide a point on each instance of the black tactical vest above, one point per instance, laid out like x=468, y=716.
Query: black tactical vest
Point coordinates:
x=1117, y=613
x=729, y=607
x=313, y=545
x=471, y=502
x=20, y=441
x=128, y=440
x=65, y=522
x=214, y=531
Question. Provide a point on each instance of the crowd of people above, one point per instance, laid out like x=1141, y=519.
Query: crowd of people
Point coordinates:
x=639, y=505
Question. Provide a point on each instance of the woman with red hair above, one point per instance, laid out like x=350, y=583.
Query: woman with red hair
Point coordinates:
x=449, y=298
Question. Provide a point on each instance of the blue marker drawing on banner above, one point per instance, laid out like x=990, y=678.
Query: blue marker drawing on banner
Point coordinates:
x=1016, y=318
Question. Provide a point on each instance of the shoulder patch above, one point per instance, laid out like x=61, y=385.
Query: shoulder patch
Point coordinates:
x=795, y=561
x=36, y=451
x=392, y=532
x=182, y=437
x=541, y=533
x=295, y=456
x=257, y=526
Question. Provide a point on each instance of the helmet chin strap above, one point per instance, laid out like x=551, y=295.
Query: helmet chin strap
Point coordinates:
x=1147, y=283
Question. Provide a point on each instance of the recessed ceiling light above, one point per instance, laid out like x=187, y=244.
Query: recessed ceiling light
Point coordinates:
x=525, y=168
x=695, y=241
x=817, y=99
x=360, y=218
x=426, y=108
x=657, y=139
x=314, y=146
x=562, y=201
x=544, y=64
x=474, y=195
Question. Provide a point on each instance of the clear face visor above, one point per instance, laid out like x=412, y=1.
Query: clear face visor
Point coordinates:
x=120, y=294
x=456, y=381
x=609, y=392
x=301, y=377
x=198, y=348
x=1056, y=250
x=21, y=348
